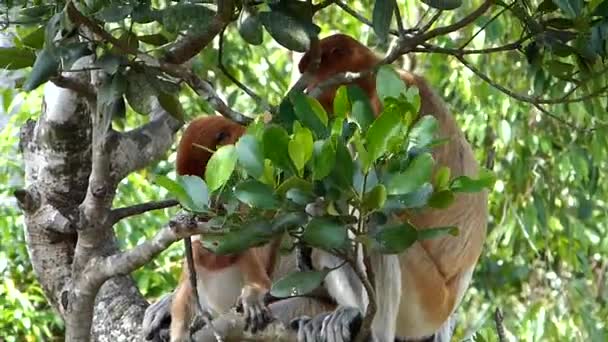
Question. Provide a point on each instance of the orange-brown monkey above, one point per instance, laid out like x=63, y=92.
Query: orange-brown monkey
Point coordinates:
x=222, y=280
x=427, y=282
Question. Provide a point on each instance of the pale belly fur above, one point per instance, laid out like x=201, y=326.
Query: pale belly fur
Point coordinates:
x=226, y=286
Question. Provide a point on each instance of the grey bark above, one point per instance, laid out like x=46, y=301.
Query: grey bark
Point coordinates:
x=65, y=239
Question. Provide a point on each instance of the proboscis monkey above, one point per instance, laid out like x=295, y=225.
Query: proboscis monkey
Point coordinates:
x=419, y=290
x=222, y=280
x=430, y=278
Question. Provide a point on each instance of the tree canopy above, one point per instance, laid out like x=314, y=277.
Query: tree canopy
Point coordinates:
x=526, y=80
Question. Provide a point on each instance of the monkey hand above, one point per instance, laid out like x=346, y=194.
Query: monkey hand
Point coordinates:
x=341, y=325
x=251, y=304
x=157, y=319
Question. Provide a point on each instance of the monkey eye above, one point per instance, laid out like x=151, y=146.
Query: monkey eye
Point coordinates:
x=221, y=136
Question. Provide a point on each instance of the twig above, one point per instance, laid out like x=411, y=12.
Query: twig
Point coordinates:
x=534, y=101
x=399, y=19
x=361, y=18
x=430, y=23
x=500, y=328
x=440, y=31
x=503, y=10
x=238, y=83
x=81, y=88
x=121, y=213
x=371, y=295
x=322, y=5
x=437, y=49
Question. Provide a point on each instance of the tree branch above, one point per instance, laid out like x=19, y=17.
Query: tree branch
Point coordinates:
x=135, y=149
x=238, y=83
x=361, y=18
x=81, y=88
x=121, y=213
x=190, y=45
x=536, y=102
x=181, y=226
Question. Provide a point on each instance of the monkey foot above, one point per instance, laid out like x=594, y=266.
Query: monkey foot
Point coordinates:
x=342, y=325
x=257, y=315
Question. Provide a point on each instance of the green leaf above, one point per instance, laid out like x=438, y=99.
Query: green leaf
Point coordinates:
x=442, y=178
x=384, y=128
x=36, y=11
x=504, y=131
x=376, y=198
x=155, y=39
x=170, y=103
x=443, y=4
x=197, y=192
x=344, y=169
x=114, y=13
x=276, y=142
x=184, y=16
x=252, y=235
x=441, y=199
x=190, y=191
x=300, y=148
x=423, y=132
x=571, y=7
x=326, y=234
x=382, y=17
x=250, y=155
x=12, y=58
x=110, y=62
x=294, y=183
x=250, y=27
x=140, y=92
x=324, y=159
x=394, y=238
x=341, y=102
x=559, y=69
x=416, y=199
x=45, y=66
x=34, y=39
x=298, y=283
x=361, y=112
x=432, y=233
x=255, y=194
x=410, y=180
x=310, y=113
x=220, y=167
x=285, y=30
x=389, y=84
x=486, y=179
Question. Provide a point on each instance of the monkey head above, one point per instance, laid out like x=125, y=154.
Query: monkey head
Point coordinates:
x=340, y=53
x=209, y=131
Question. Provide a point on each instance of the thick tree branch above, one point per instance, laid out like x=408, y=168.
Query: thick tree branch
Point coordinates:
x=181, y=226
x=138, y=209
x=81, y=88
x=190, y=45
x=138, y=148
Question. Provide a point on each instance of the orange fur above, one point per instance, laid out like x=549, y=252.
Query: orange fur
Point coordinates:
x=434, y=273
x=251, y=269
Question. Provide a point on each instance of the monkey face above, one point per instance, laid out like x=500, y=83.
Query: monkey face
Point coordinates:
x=204, y=135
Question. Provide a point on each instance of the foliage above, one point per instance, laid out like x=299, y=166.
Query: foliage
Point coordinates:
x=538, y=118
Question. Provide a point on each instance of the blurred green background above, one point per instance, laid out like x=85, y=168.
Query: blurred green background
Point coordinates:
x=546, y=256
